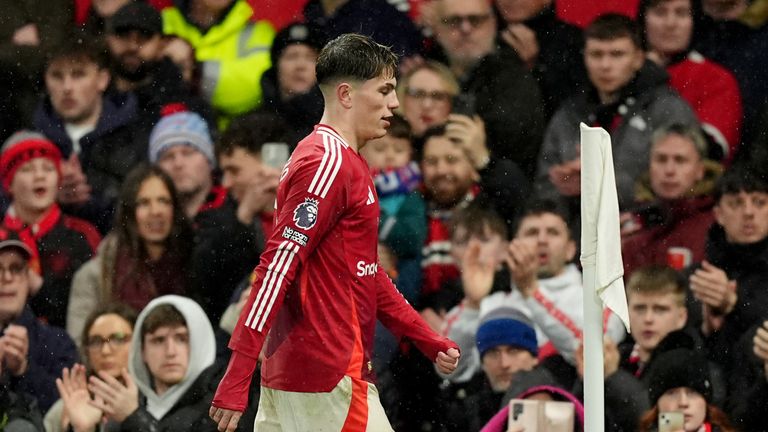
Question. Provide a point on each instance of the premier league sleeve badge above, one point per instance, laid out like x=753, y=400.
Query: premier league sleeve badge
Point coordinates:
x=305, y=214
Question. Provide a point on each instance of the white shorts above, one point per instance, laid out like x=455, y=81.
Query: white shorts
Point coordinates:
x=352, y=406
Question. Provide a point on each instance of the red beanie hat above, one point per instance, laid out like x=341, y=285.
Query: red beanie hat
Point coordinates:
x=22, y=147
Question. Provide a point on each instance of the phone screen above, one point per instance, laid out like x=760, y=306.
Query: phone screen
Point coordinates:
x=671, y=421
x=275, y=155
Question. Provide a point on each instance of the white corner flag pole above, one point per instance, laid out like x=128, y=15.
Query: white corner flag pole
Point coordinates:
x=601, y=263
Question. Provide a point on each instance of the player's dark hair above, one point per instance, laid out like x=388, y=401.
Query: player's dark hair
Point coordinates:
x=354, y=57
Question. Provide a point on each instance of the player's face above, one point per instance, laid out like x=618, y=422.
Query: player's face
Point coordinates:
x=373, y=102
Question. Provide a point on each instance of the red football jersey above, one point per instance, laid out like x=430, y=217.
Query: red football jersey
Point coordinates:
x=318, y=288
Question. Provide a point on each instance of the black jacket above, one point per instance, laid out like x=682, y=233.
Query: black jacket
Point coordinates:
x=191, y=411
x=117, y=144
x=301, y=113
x=748, y=266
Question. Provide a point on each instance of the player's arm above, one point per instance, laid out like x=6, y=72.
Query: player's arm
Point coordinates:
x=314, y=198
x=403, y=321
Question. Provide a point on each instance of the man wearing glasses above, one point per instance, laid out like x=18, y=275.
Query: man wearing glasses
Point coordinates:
x=506, y=95
x=32, y=354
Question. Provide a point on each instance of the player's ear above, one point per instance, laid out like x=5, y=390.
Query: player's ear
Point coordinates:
x=344, y=92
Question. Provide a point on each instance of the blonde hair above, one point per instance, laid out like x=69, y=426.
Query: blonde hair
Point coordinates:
x=446, y=77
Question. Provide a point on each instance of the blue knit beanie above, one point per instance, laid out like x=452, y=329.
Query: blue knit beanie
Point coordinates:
x=506, y=331
x=182, y=128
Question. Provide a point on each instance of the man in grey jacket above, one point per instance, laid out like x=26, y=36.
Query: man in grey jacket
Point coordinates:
x=628, y=96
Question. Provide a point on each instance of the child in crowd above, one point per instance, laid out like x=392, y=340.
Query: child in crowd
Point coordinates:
x=402, y=227
x=30, y=169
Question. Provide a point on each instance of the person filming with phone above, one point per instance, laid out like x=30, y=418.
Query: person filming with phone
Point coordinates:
x=680, y=392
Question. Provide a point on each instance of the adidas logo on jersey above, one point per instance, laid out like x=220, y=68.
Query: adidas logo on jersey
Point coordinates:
x=371, y=198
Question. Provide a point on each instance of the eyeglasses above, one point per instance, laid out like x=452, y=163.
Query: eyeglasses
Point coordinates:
x=15, y=270
x=115, y=341
x=475, y=21
x=435, y=96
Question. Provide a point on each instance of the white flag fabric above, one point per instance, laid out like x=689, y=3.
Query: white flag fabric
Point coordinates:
x=600, y=236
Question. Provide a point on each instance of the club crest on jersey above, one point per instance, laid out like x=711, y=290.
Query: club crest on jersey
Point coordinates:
x=305, y=214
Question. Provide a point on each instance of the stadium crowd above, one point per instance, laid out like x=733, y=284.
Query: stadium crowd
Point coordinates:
x=139, y=174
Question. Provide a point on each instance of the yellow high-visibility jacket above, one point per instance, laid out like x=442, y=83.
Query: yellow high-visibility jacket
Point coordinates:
x=234, y=53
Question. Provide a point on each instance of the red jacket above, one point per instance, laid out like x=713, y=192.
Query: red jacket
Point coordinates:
x=318, y=286
x=714, y=95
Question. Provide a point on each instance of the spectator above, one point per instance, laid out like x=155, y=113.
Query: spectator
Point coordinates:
x=478, y=246
x=628, y=97
x=709, y=89
x=505, y=95
x=144, y=256
x=32, y=353
x=141, y=64
x=753, y=375
x=233, y=236
x=724, y=38
x=380, y=20
x=289, y=86
x=546, y=287
x=729, y=282
x=673, y=201
x=679, y=381
x=543, y=390
x=29, y=30
x=427, y=92
x=173, y=330
x=232, y=45
x=402, y=225
x=181, y=145
x=93, y=15
x=549, y=47
x=451, y=182
x=656, y=302
x=97, y=133
x=105, y=345
x=19, y=412
x=31, y=174
x=506, y=342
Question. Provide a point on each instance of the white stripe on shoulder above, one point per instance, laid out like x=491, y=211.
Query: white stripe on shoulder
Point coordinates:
x=327, y=171
x=336, y=168
x=321, y=167
x=327, y=130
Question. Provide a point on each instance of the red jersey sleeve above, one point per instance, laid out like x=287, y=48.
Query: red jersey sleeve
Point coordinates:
x=403, y=321
x=313, y=194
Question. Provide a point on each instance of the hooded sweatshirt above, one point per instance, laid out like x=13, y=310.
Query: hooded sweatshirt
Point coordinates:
x=202, y=350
